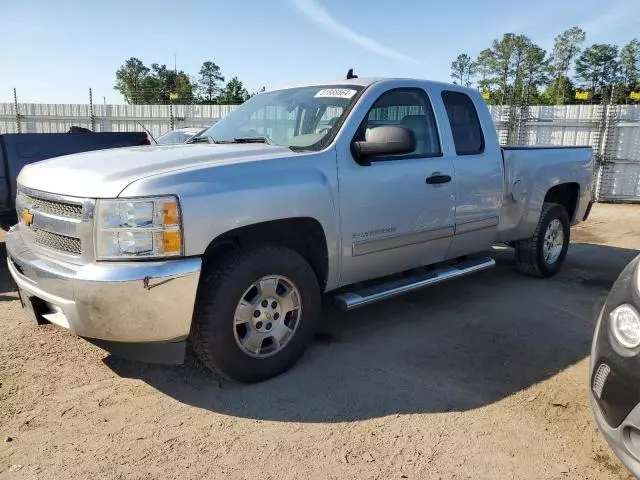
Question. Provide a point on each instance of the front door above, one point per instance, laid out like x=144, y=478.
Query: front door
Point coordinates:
x=398, y=212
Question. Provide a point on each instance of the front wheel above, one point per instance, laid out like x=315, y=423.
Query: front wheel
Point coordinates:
x=257, y=311
x=543, y=254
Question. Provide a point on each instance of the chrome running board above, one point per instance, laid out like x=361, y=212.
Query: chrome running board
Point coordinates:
x=365, y=296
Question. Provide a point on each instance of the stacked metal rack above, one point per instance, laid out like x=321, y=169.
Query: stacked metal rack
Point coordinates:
x=619, y=163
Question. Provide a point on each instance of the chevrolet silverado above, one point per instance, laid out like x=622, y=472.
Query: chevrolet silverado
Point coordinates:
x=360, y=189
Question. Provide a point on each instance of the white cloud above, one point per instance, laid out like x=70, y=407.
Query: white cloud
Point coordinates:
x=610, y=20
x=599, y=26
x=324, y=19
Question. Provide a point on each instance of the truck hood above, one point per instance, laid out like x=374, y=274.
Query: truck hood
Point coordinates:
x=106, y=173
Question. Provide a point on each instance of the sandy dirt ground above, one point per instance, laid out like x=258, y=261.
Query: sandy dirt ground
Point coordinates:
x=481, y=378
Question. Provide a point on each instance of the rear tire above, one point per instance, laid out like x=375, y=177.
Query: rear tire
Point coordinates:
x=271, y=282
x=543, y=254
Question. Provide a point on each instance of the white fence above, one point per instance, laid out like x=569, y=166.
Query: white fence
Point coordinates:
x=56, y=118
x=613, y=131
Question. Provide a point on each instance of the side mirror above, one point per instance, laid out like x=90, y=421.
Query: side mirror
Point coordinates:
x=385, y=140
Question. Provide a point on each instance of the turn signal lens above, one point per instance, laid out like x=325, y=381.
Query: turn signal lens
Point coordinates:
x=172, y=241
x=170, y=213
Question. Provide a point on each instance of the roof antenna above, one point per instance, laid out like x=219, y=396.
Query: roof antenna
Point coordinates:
x=350, y=74
x=148, y=132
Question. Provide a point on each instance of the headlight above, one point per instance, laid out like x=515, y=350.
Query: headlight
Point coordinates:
x=138, y=228
x=624, y=322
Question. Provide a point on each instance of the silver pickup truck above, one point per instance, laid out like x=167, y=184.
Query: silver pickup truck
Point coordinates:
x=362, y=189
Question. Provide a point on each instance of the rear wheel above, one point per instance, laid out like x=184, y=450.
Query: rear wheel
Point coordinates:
x=543, y=254
x=257, y=311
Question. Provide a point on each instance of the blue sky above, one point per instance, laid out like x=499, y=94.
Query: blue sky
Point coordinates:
x=53, y=51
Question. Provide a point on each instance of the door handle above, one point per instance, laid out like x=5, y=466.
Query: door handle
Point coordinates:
x=437, y=178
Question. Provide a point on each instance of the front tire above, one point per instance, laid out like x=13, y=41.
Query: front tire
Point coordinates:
x=543, y=254
x=257, y=311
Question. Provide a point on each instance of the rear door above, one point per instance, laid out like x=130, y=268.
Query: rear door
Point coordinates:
x=477, y=162
x=392, y=218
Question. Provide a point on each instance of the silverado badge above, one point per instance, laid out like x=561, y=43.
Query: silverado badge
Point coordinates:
x=27, y=216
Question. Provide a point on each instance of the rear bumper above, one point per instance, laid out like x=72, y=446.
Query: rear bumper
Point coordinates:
x=130, y=302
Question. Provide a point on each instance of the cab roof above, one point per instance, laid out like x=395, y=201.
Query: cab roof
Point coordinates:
x=364, y=82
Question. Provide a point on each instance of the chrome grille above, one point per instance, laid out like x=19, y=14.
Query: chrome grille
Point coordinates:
x=61, y=209
x=58, y=242
x=600, y=378
x=54, y=222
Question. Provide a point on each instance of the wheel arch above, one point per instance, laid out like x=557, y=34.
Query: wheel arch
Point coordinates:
x=565, y=194
x=304, y=235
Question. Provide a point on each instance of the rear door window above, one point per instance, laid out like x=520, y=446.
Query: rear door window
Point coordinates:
x=465, y=125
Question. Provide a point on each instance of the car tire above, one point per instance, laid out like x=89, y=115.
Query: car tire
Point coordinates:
x=238, y=346
x=543, y=254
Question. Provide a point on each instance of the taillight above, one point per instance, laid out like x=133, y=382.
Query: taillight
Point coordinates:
x=147, y=141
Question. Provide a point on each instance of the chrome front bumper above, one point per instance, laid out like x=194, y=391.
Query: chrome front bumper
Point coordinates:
x=132, y=302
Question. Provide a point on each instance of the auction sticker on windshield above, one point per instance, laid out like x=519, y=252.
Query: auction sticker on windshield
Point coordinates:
x=336, y=93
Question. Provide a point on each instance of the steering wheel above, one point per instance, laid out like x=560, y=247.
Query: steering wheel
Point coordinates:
x=325, y=130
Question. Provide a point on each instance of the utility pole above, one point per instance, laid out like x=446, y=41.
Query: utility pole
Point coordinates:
x=175, y=89
x=15, y=105
x=91, y=115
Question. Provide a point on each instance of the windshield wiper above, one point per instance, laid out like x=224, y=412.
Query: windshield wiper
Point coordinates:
x=206, y=139
x=257, y=139
x=200, y=139
x=252, y=140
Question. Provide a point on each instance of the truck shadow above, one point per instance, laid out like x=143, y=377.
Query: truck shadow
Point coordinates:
x=455, y=346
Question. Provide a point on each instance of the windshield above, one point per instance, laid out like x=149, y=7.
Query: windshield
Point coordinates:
x=298, y=118
x=174, y=137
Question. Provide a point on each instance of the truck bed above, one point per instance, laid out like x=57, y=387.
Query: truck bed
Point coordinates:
x=529, y=173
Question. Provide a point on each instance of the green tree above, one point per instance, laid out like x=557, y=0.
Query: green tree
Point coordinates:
x=521, y=46
x=535, y=73
x=185, y=89
x=597, y=67
x=630, y=64
x=561, y=87
x=166, y=82
x=514, y=66
x=209, y=82
x=462, y=69
x=142, y=85
x=130, y=80
x=233, y=93
x=502, y=52
x=484, y=64
x=565, y=49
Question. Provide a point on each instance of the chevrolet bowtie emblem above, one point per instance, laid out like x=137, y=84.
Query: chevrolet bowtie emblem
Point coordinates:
x=27, y=217
x=268, y=315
